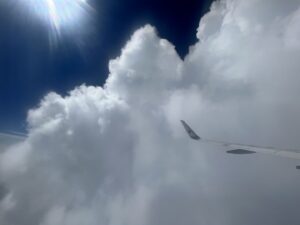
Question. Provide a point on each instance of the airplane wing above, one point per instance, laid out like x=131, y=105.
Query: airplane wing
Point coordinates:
x=242, y=149
x=189, y=130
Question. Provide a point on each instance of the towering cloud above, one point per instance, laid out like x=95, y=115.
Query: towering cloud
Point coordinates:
x=117, y=155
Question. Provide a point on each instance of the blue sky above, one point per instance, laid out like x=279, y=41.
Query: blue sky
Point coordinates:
x=30, y=67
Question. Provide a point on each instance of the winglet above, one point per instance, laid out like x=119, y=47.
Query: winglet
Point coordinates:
x=189, y=130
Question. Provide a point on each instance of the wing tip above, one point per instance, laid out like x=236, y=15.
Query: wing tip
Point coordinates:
x=192, y=134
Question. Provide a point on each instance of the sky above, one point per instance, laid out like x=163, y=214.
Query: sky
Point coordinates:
x=113, y=151
x=32, y=64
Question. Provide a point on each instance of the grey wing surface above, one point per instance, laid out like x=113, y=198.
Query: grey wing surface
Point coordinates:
x=242, y=149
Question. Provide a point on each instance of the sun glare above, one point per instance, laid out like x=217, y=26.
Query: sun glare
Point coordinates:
x=59, y=14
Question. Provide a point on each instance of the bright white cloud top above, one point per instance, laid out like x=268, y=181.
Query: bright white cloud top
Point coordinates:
x=118, y=155
x=59, y=14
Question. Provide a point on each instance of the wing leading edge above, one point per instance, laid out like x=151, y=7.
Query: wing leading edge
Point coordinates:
x=241, y=149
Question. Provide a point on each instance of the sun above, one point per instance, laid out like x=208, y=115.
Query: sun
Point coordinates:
x=59, y=15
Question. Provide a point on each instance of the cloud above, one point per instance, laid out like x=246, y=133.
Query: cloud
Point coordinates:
x=117, y=154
